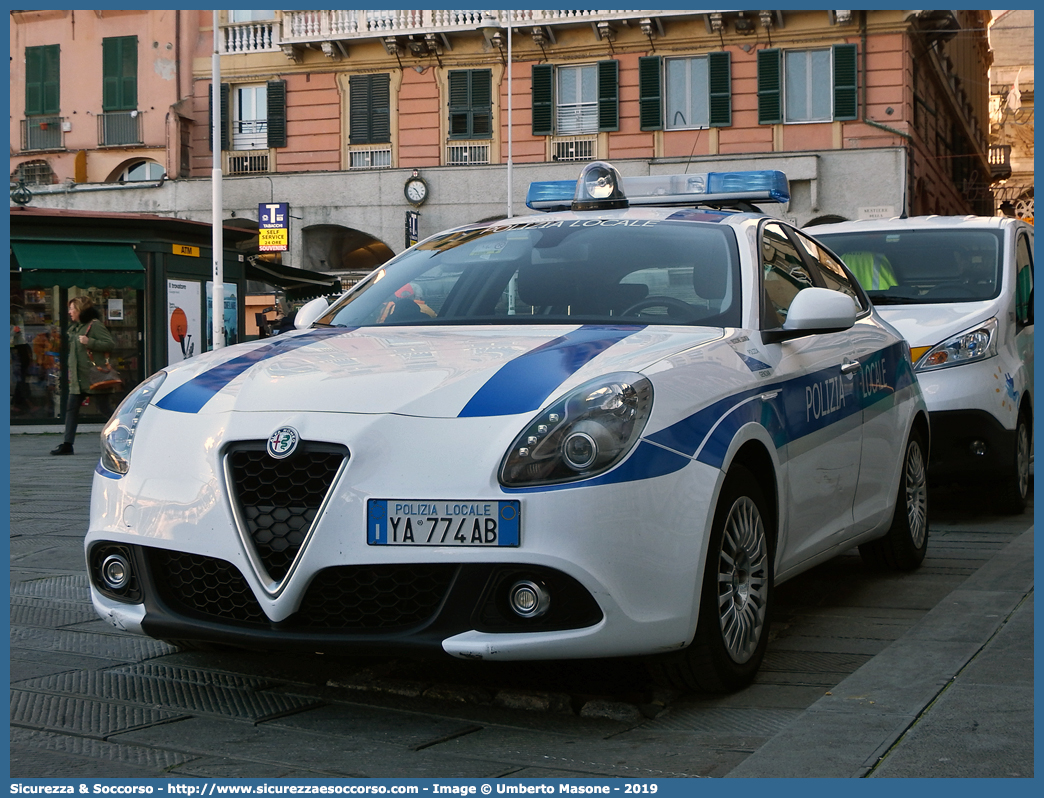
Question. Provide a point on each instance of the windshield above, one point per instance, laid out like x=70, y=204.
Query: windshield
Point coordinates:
x=583, y=271
x=921, y=266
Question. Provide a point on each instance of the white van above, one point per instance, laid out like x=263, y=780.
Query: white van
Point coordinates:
x=960, y=290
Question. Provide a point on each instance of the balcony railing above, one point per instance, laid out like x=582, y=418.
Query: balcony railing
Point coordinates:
x=43, y=133
x=1000, y=161
x=378, y=157
x=307, y=27
x=246, y=163
x=467, y=153
x=249, y=37
x=119, y=128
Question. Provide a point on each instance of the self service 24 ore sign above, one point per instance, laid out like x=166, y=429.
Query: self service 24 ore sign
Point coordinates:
x=273, y=226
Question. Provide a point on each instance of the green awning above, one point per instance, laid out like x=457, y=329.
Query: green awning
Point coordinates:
x=67, y=263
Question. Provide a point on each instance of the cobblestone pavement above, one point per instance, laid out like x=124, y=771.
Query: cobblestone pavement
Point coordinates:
x=868, y=673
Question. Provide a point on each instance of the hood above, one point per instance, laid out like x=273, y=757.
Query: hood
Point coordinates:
x=434, y=372
x=928, y=325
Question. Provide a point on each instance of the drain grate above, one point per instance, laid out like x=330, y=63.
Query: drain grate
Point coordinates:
x=813, y=662
x=724, y=720
x=63, y=587
x=223, y=695
x=82, y=716
x=97, y=749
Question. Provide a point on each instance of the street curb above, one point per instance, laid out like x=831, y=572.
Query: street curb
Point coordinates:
x=846, y=732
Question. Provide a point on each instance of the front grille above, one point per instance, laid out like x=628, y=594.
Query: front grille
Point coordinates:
x=350, y=597
x=374, y=596
x=199, y=586
x=278, y=500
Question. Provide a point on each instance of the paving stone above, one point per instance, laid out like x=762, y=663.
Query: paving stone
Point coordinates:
x=81, y=716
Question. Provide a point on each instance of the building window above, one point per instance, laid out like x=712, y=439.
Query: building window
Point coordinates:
x=369, y=109
x=120, y=73
x=34, y=173
x=685, y=93
x=142, y=171
x=470, y=104
x=255, y=115
x=576, y=99
x=41, y=80
x=250, y=118
x=807, y=85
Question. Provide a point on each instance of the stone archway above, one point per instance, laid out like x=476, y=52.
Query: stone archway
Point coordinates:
x=342, y=250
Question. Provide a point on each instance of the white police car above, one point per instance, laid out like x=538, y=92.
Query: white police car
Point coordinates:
x=960, y=290
x=609, y=430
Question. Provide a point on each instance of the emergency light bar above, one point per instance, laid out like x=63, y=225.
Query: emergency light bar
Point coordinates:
x=661, y=190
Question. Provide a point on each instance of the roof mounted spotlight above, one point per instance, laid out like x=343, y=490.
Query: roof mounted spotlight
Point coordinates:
x=841, y=17
x=599, y=188
x=715, y=22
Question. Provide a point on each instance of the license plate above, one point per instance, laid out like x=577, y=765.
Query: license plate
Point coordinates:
x=395, y=522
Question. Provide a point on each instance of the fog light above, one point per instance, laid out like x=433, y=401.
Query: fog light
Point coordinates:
x=528, y=599
x=978, y=448
x=115, y=572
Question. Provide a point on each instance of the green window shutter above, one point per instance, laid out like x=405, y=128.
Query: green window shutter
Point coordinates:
x=543, y=99
x=380, y=109
x=770, y=72
x=369, y=109
x=459, y=104
x=720, y=69
x=42, y=82
x=846, y=82
x=120, y=73
x=226, y=143
x=650, y=101
x=608, y=95
x=481, y=103
x=276, y=96
x=359, y=109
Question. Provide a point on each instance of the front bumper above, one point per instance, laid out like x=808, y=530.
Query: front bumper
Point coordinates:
x=969, y=444
x=622, y=561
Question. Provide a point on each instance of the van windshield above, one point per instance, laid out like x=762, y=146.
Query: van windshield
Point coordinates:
x=917, y=266
x=588, y=271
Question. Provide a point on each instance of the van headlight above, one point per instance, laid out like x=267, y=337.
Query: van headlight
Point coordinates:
x=977, y=343
x=117, y=436
x=586, y=432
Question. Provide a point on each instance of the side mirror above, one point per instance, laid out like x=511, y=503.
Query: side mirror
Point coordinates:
x=815, y=310
x=309, y=312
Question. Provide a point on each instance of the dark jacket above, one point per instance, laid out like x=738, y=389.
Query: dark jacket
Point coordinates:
x=101, y=343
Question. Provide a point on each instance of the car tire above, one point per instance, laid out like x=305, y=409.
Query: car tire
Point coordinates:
x=904, y=545
x=1014, y=490
x=733, y=626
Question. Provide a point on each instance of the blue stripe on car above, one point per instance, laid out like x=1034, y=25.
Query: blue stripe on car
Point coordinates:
x=190, y=397
x=788, y=411
x=522, y=385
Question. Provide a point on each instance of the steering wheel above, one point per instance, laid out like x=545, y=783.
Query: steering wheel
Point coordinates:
x=657, y=301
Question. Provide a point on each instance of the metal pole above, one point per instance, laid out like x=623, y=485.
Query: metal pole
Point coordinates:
x=217, y=239
x=509, y=141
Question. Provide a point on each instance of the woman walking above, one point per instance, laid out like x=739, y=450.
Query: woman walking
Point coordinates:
x=87, y=335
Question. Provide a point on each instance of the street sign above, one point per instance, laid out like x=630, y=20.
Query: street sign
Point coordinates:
x=273, y=227
x=412, y=228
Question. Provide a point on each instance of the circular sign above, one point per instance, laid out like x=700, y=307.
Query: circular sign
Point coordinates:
x=416, y=190
x=283, y=442
x=178, y=325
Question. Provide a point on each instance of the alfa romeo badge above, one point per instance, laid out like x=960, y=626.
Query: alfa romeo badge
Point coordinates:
x=283, y=442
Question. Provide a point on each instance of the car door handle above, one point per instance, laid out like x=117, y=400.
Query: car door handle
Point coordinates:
x=851, y=366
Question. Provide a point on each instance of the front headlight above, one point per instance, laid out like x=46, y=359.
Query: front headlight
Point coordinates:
x=117, y=437
x=586, y=432
x=977, y=343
